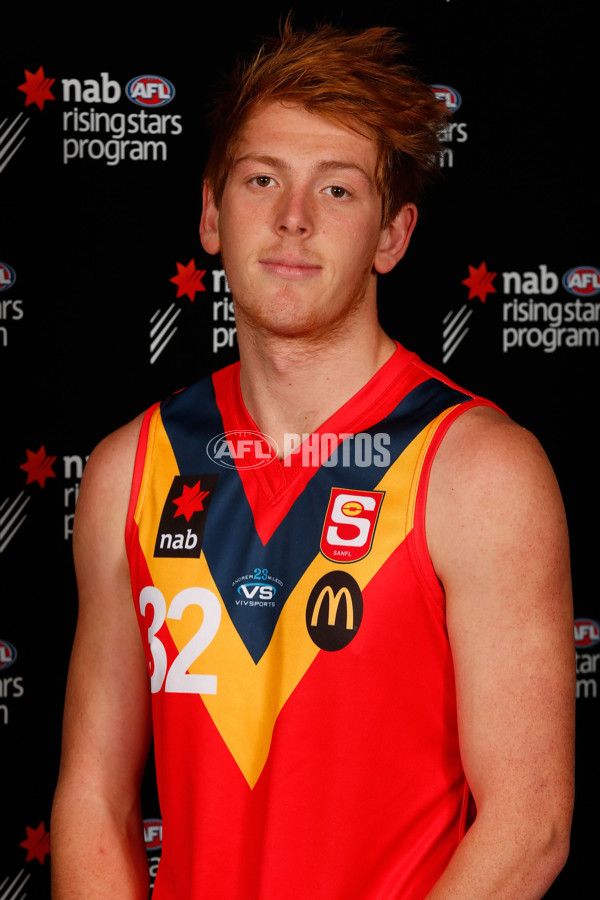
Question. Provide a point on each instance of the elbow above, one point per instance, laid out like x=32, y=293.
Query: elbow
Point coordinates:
x=549, y=849
x=556, y=850
x=532, y=845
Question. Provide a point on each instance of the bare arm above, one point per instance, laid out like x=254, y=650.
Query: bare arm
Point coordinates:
x=97, y=842
x=498, y=540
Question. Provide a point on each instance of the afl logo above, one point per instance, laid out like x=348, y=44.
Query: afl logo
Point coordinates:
x=334, y=611
x=7, y=276
x=150, y=90
x=448, y=95
x=582, y=281
x=8, y=654
x=153, y=834
x=242, y=449
x=587, y=633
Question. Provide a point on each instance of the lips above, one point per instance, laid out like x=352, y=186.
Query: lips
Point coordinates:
x=290, y=268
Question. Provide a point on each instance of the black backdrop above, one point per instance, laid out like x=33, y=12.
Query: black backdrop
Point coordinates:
x=100, y=202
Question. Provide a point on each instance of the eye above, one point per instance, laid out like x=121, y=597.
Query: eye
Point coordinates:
x=262, y=181
x=337, y=192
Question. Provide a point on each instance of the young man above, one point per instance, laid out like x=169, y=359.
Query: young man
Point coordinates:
x=354, y=608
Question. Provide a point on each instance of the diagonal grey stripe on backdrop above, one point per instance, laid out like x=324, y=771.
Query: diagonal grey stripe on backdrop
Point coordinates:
x=455, y=330
x=9, y=893
x=8, y=531
x=158, y=333
x=5, y=136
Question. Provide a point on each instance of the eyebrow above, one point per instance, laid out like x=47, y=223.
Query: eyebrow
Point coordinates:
x=324, y=165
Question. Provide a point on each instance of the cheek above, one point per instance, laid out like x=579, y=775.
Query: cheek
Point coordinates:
x=241, y=232
x=358, y=250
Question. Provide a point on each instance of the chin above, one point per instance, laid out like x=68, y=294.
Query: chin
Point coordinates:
x=286, y=316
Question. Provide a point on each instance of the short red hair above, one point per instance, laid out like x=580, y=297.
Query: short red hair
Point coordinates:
x=354, y=77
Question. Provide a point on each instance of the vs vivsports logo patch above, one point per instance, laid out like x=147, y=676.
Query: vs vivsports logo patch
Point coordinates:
x=350, y=523
x=184, y=514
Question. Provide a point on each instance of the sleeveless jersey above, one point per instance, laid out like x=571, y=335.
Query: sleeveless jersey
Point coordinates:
x=302, y=682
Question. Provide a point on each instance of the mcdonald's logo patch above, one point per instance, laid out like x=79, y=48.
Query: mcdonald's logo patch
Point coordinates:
x=334, y=611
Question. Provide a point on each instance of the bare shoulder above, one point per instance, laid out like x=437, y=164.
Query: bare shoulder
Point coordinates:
x=483, y=441
x=492, y=488
x=112, y=460
x=106, y=482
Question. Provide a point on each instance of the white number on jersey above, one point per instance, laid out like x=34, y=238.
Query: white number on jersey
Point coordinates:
x=177, y=679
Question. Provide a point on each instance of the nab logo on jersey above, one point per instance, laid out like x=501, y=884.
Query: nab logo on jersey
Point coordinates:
x=334, y=611
x=184, y=514
x=350, y=523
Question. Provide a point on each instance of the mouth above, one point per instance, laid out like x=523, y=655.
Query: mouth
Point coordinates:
x=289, y=269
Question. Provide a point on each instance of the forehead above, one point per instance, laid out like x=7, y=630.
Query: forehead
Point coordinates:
x=293, y=130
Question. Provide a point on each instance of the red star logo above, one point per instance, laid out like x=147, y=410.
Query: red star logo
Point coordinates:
x=38, y=466
x=36, y=88
x=190, y=501
x=479, y=282
x=188, y=280
x=37, y=843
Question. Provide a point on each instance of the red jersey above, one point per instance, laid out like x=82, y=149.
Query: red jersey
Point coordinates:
x=302, y=682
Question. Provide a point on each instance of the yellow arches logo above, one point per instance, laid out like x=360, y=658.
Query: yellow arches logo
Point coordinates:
x=334, y=611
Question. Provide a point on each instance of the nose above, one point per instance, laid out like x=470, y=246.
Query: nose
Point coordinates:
x=294, y=214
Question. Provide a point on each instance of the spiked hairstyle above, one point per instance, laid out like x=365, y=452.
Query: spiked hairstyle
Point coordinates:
x=358, y=79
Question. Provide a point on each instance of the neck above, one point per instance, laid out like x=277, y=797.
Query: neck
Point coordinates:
x=293, y=385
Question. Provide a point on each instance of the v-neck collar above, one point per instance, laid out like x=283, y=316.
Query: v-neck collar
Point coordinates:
x=281, y=480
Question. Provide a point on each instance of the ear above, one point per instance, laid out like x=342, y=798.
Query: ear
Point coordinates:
x=395, y=239
x=209, y=222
